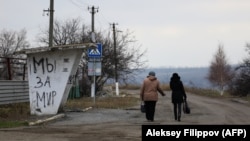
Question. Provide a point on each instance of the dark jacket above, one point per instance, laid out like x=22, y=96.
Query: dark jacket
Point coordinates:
x=178, y=92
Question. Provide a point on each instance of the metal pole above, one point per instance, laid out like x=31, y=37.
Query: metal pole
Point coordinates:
x=24, y=71
x=94, y=67
x=94, y=79
x=51, y=15
x=9, y=68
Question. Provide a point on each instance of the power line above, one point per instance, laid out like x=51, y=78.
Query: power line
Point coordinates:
x=81, y=5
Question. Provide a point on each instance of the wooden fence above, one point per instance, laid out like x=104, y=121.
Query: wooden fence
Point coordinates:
x=13, y=91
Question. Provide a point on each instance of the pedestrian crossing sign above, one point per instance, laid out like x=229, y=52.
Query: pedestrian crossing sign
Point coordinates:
x=95, y=52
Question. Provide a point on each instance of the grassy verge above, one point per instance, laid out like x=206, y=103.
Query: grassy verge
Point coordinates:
x=208, y=93
x=102, y=102
x=14, y=115
x=11, y=124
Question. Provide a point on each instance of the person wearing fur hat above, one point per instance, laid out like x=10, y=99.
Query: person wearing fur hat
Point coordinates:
x=178, y=95
x=149, y=94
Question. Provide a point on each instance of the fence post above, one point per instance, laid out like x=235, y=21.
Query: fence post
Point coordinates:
x=24, y=71
x=9, y=69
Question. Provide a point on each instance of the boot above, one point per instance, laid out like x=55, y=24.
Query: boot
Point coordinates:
x=179, y=118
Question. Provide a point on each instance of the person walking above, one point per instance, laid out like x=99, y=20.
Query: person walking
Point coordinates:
x=149, y=94
x=178, y=95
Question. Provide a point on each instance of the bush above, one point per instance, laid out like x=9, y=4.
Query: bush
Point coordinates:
x=241, y=83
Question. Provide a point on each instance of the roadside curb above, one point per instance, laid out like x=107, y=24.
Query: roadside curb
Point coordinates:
x=46, y=120
x=79, y=110
x=56, y=117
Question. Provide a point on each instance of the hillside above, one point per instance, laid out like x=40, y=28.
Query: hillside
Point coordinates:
x=192, y=77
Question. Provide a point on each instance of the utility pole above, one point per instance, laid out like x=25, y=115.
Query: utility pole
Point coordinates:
x=93, y=11
x=51, y=21
x=115, y=59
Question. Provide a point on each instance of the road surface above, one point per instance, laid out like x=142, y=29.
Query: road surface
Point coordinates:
x=125, y=124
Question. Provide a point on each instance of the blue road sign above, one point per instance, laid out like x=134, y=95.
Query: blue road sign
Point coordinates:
x=97, y=52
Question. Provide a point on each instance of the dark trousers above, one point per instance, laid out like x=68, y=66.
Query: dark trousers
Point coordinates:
x=177, y=110
x=150, y=110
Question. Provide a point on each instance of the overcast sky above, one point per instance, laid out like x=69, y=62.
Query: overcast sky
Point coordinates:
x=175, y=33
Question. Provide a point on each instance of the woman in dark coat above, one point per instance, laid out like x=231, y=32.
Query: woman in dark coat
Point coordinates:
x=178, y=95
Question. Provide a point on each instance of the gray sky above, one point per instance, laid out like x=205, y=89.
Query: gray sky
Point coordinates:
x=176, y=33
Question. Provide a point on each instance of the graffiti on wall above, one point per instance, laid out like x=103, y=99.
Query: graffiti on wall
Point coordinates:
x=51, y=76
x=41, y=68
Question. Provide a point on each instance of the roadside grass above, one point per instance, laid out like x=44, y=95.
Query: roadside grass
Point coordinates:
x=207, y=92
x=164, y=87
x=14, y=115
x=197, y=91
x=12, y=124
x=129, y=87
x=247, y=98
x=111, y=102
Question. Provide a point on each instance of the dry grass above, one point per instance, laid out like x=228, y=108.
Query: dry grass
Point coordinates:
x=129, y=87
x=14, y=111
x=102, y=102
x=164, y=87
x=13, y=115
x=207, y=92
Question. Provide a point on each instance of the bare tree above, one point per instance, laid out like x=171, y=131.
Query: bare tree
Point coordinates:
x=220, y=72
x=64, y=32
x=10, y=42
x=129, y=56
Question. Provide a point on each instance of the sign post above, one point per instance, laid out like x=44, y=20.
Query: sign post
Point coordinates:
x=94, y=65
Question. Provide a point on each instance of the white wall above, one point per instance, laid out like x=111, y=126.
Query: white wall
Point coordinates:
x=49, y=74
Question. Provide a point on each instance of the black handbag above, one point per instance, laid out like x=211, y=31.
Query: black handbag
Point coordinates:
x=142, y=107
x=186, y=108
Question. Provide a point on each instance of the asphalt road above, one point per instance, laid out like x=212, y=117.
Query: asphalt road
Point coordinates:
x=125, y=124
